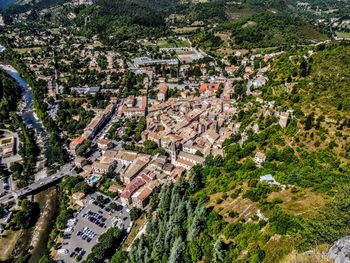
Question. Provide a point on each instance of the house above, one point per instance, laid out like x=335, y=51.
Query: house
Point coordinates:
x=80, y=162
x=103, y=167
x=209, y=89
x=76, y=142
x=126, y=157
x=115, y=189
x=269, y=179
x=163, y=93
x=187, y=160
x=78, y=198
x=104, y=144
x=259, y=158
x=134, y=169
x=133, y=186
x=177, y=173
x=140, y=198
x=283, y=120
x=211, y=135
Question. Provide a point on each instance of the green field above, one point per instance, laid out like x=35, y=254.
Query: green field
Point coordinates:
x=170, y=43
x=343, y=34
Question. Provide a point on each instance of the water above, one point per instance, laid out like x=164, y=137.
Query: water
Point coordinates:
x=27, y=113
x=5, y=3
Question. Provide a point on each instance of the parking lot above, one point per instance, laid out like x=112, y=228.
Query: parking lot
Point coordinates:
x=88, y=225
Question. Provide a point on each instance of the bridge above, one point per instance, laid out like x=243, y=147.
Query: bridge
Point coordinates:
x=38, y=186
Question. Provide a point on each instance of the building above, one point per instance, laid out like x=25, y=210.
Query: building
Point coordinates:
x=259, y=158
x=104, y=144
x=80, y=162
x=187, y=160
x=163, y=93
x=7, y=146
x=103, y=167
x=140, y=198
x=134, y=169
x=146, y=61
x=78, y=198
x=134, y=107
x=133, y=186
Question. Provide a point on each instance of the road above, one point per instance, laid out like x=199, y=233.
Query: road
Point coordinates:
x=67, y=169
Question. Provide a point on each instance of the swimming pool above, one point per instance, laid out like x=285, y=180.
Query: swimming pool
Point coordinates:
x=93, y=179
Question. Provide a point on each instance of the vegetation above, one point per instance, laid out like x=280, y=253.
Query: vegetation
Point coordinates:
x=72, y=117
x=27, y=215
x=149, y=147
x=57, y=152
x=105, y=246
x=10, y=95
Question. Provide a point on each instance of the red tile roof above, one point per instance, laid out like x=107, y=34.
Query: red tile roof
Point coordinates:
x=206, y=86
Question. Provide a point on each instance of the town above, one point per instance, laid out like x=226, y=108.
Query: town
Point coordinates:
x=173, y=131
x=130, y=145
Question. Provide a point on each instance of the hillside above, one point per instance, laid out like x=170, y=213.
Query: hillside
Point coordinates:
x=123, y=20
x=316, y=85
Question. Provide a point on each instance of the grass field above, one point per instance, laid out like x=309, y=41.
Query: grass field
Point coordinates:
x=170, y=43
x=304, y=204
x=343, y=34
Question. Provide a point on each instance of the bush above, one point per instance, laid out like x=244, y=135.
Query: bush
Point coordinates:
x=233, y=214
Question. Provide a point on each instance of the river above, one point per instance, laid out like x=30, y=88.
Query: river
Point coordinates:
x=28, y=114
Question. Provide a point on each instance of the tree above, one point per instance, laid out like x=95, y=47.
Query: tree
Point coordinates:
x=195, y=181
x=194, y=251
x=81, y=187
x=27, y=215
x=135, y=213
x=309, y=121
x=218, y=252
x=177, y=251
x=100, y=199
x=113, y=206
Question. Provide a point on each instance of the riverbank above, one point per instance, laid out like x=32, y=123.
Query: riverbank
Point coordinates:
x=48, y=205
x=31, y=243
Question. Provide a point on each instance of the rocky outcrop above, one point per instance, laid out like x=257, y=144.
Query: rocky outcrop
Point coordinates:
x=340, y=251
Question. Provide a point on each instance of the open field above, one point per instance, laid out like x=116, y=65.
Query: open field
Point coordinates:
x=306, y=203
x=343, y=34
x=243, y=206
x=173, y=43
